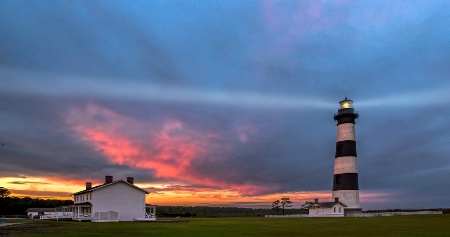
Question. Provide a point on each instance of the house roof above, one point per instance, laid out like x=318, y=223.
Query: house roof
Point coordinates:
x=82, y=204
x=327, y=204
x=37, y=209
x=109, y=184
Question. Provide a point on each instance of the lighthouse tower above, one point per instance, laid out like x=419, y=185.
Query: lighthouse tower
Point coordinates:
x=345, y=180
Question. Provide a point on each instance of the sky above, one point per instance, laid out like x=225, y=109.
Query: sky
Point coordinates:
x=225, y=103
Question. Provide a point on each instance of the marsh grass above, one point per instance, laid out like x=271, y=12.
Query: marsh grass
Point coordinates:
x=419, y=225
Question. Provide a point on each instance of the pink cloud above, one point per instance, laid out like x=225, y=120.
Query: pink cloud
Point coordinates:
x=168, y=148
x=253, y=190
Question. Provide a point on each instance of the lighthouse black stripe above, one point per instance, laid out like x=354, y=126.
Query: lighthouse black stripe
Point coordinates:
x=345, y=119
x=347, y=181
x=346, y=116
x=345, y=148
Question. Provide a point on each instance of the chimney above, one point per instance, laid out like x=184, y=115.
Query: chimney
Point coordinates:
x=336, y=199
x=108, y=179
x=130, y=180
x=316, y=200
x=88, y=185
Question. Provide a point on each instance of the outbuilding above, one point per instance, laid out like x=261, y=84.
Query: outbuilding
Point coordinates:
x=322, y=209
x=34, y=212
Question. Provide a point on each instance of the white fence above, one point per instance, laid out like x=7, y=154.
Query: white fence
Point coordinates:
x=106, y=216
x=395, y=213
x=287, y=216
x=360, y=214
x=55, y=216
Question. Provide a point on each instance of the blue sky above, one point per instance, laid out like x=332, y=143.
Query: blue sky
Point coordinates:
x=226, y=97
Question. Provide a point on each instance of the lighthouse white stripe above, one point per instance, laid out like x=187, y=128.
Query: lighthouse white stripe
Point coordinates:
x=345, y=164
x=349, y=197
x=345, y=131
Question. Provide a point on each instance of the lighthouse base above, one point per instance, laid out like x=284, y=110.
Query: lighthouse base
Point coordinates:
x=352, y=211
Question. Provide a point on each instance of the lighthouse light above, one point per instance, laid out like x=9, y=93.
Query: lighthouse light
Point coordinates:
x=346, y=104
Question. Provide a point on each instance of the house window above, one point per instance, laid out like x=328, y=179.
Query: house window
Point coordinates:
x=90, y=194
x=339, y=209
x=334, y=210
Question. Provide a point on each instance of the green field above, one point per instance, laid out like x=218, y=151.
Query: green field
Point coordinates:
x=419, y=225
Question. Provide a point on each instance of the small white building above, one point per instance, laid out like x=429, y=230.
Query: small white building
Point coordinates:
x=34, y=212
x=327, y=209
x=112, y=201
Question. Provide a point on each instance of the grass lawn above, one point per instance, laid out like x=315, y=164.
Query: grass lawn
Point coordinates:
x=419, y=225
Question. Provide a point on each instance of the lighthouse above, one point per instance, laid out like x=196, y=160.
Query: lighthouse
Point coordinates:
x=345, y=180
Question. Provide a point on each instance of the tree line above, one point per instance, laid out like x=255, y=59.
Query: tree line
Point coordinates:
x=17, y=206
x=208, y=211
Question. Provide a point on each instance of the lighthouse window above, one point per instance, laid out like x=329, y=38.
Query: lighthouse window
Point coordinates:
x=338, y=179
x=339, y=149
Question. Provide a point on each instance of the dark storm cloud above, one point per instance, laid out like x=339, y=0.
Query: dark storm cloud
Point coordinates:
x=259, y=81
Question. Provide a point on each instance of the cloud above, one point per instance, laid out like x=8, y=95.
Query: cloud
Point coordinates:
x=40, y=194
x=168, y=150
x=435, y=97
x=72, y=86
x=26, y=182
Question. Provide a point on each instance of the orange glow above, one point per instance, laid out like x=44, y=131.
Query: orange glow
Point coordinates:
x=160, y=194
x=169, y=194
x=229, y=197
x=196, y=196
x=42, y=187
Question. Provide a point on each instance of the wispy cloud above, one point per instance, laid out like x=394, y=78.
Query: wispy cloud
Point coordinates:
x=427, y=97
x=71, y=86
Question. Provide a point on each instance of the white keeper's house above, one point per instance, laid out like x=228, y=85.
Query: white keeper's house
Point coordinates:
x=118, y=200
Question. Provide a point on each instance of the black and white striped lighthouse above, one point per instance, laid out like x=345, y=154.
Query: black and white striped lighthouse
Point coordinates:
x=345, y=180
